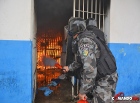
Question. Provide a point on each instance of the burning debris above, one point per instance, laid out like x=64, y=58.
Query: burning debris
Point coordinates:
x=49, y=45
x=49, y=48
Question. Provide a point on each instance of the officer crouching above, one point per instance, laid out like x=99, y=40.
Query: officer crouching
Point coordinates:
x=98, y=76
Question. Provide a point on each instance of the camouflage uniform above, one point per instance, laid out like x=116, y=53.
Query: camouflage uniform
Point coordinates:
x=102, y=89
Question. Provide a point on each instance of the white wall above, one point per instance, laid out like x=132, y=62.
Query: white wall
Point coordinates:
x=16, y=20
x=125, y=21
x=33, y=31
x=33, y=26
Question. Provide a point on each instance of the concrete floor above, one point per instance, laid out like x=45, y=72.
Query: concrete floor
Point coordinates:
x=61, y=93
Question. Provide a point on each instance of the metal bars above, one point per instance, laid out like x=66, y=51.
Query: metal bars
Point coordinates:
x=74, y=8
x=90, y=9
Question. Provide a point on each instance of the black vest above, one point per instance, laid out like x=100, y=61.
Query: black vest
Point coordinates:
x=106, y=63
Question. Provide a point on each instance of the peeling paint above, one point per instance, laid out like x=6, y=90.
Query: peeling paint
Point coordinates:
x=124, y=54
x=8, y=81
x=15, y=71
x=121, y=50
x=138, y=48
x=128, y=63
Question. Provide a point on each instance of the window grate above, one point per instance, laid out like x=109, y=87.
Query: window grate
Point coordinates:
x=90, y=9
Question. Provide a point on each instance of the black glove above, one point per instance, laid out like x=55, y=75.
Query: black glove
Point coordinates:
x=89, y=95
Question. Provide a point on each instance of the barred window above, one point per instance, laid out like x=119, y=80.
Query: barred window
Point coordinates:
x=90, y=9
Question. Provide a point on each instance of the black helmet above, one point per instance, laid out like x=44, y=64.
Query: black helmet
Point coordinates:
x=76, y=25
x=91, y=22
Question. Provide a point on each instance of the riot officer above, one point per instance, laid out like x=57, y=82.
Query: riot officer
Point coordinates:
x=100, y=82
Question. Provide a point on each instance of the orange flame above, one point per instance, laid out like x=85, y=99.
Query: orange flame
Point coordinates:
x=48, y=45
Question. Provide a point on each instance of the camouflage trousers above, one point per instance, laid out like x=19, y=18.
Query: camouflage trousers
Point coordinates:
x=105, y=89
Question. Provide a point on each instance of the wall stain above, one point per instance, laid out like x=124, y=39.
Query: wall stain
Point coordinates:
x=138, y=48
x=9, y=81
x=122, y=52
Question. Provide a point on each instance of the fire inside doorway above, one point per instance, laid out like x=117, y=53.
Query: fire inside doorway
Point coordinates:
x=49, y=44
x=52, y=16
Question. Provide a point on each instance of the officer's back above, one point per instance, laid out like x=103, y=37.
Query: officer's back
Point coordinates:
x=92, y=26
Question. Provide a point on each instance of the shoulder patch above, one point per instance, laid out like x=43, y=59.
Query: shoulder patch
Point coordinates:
x=85, y=51
x=84, y=46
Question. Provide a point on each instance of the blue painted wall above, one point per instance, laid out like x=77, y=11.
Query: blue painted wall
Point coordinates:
x=15, y=71
x=128, y=63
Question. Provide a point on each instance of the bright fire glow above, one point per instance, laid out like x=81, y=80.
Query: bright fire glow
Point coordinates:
x=50, y=45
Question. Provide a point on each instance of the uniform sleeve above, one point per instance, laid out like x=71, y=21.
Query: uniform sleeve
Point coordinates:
x=74, y=65
x=87, y=49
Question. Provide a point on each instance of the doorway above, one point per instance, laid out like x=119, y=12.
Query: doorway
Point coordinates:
x=52, y=16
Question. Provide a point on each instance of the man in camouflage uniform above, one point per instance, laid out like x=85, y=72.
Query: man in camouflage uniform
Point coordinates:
x=86, y=56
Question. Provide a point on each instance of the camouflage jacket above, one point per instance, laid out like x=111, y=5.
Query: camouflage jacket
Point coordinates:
x=88, y=50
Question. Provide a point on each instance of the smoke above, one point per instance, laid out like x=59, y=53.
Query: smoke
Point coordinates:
x=53, y=13
x=107, y=6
